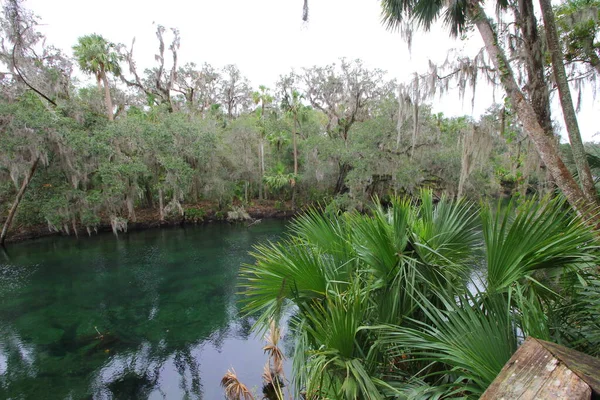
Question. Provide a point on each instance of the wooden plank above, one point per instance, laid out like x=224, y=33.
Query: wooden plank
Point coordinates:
x=533, y=373
x=564, y=384
x=583, y=365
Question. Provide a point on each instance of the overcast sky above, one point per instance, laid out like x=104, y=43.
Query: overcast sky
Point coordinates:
x=266, y=38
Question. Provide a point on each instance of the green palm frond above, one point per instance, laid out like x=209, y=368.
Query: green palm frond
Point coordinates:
x=593, y=161
x=395, y=12
x=395, y=301
x=424, y=13
x=455, y=17
x=470, y=338
x=542, y=235
x=575, y=322
x=378, y=244
x=386, y=304
x=95, y=54
x=446, y=233
x=288, y=270
x=529, y=312
x=329, y=233
x=339, y=359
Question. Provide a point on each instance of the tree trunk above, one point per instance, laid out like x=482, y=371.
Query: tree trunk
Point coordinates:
x=261, y=166
x=261, y=188
x=13, y=209
x=161, y=208
x=74, y=225
x=566, y=102
x=399, y=124
x=295, y=162
x=340, y=185
x=535, y=63
x=415, y=117
x=107, y=99
x=546, y=148
x=148, y=194
x=466, y=162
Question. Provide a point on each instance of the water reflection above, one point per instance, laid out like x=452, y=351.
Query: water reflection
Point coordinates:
x=150, y=315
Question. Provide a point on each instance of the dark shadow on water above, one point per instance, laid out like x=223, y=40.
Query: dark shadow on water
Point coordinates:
x=133, y=386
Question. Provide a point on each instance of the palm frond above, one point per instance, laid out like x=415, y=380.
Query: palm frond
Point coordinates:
x=472, y=337
x=445, y=234
x=329, y=233
x=426, y=12
x=395, y=12
x=234, y=389
x=575, y=322
x=542, y=235
x=272, y=349
x=377, y=244
x=288, y=270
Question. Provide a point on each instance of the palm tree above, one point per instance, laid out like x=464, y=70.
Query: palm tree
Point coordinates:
x=264, y=98
x=293, y=106
x=97, y=56
x=423, y=299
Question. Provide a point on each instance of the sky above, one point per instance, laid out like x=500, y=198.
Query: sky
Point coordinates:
x=267, y=38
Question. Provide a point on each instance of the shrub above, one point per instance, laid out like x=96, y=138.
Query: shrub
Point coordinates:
x=195, y=215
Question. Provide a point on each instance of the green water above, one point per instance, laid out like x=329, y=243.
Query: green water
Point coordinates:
x=164, y=302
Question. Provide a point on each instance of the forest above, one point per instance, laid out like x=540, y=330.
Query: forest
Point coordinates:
x=193, y=138
x=425, y=247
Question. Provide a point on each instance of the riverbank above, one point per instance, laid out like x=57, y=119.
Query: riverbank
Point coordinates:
x=203, y=213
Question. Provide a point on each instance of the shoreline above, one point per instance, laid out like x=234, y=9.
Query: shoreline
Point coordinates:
x=149, y=218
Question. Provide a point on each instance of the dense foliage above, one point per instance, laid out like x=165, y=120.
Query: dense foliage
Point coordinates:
x=426, y=300
x=177, y=136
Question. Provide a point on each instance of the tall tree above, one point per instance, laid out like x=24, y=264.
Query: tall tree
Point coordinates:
x=263, y=98
x=160, y=80
x=564, y=92
x=345, y=95
x=292, y=104
x=457, y=16
x=235, y=90
x=26, y=120
x=199, y=87
x=96, y=55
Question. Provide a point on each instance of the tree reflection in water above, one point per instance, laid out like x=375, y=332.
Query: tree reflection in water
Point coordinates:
x=151, y=315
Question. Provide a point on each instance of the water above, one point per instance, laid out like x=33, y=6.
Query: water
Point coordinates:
x=151, y=315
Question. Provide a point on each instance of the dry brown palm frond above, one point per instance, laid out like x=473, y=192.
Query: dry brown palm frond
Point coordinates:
x=234, y=389
x=272, y=349
x=267, y=375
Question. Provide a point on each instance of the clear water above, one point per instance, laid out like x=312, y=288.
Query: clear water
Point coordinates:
x=150, y=315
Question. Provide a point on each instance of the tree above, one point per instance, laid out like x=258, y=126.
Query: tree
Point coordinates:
x=564, y=92
x=235, y=90
x=198, y=87
x=159, y=81
x=457, y=17
x=26, y=121
x=578, y=24
x=263, y=97
x=345, y=95
x=96, y=55
x=292, y=104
